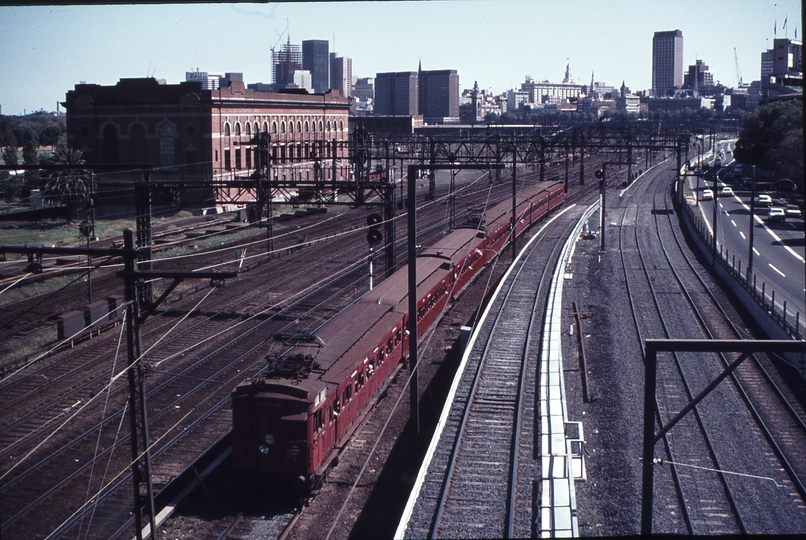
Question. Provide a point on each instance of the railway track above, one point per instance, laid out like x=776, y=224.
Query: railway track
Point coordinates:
x=723, y=456
x=481, y=480
x=187, y=402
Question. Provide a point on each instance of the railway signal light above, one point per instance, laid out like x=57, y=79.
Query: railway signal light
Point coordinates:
x=374, y=235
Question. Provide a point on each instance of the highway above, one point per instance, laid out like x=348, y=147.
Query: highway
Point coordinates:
x=778, y=247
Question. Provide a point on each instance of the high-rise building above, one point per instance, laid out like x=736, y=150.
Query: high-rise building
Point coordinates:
x=364, y=89
x=782, y=69
x=699, y=79
x=396, y=93
x=284, y=63
x=315, y=60
x=341, y=74
x=438, y=95
x=667, y=62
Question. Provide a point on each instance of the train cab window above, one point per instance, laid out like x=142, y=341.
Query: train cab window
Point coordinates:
x=359, y=381
x=389, y=346
x=348, y=394
x=319, y=420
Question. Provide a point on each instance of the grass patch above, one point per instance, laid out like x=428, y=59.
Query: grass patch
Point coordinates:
x=21, y=349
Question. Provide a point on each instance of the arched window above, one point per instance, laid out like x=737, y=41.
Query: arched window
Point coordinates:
x=341, y=125
x=291, y=126
x=307, y=126
x=226, y=129
x=274, y=127
x=247, y=128
x=321, y=126
x=257, y=128
x=299, y=126
x=237, y=128
x=167, y=145
x=266, y=127
x=328, y=125
x=282, y=126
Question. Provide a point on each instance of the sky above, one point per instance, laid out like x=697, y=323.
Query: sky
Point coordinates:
x=46, y=50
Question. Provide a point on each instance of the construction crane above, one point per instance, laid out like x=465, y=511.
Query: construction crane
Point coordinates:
x=738, y=73
x=280, y=37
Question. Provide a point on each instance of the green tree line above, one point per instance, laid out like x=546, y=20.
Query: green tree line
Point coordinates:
x=772, y=138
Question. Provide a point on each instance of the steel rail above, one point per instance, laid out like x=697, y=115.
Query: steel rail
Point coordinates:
x=799, y=485
x=707, y=438
x=512, y=477
x=658, y=412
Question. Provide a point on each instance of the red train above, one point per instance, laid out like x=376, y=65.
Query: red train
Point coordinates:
x=292, y=420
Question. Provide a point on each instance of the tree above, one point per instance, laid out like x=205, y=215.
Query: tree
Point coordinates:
x=67, y=186
x=772, y=138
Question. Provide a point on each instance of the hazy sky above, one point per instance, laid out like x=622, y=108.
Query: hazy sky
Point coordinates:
x=46, y=50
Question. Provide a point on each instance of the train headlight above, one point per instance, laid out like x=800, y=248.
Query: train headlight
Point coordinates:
x=263, y=449
x=269, y=439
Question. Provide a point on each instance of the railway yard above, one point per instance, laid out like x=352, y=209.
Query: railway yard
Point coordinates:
x=736, y=464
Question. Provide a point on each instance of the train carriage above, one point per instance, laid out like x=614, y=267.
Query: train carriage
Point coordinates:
x=465, y=249
x=291, y=421
x=287, y=420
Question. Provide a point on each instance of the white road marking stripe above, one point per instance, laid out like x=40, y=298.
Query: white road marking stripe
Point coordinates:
x=773, y=267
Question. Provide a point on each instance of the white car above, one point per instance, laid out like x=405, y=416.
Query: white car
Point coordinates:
x=792, y=210
x=707, y=195
x=776, y=214
x=764, y=200
x=726, y=191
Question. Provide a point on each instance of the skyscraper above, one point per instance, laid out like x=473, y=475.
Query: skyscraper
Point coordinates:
x=341, y=74
x=439, y=95
x=284, y=63
x=667, y=62
x=396, y=93
x=315, y=60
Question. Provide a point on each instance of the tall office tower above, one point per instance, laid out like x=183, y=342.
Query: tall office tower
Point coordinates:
x=315, y=60
x=396, y=93
x=284, y=63
x=364, y=89
x=438, y=95
x=667, y=62
x=341, y=74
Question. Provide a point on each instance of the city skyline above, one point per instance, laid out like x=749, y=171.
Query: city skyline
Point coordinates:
x=497, y=43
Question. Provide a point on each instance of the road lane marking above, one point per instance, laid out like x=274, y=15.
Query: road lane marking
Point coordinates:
x=756, y=252
x=742, y=235
x=734, y=224
x=773, y=267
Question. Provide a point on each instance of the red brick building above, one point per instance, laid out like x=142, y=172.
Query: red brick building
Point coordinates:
x=188, y=133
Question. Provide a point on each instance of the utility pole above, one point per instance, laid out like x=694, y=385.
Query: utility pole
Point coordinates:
x=138, y=309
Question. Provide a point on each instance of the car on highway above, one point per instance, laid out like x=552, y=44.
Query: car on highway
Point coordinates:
x=776, y=213
x=792, y=210
x=707, y=195
x=764, y=200
x=727, y=191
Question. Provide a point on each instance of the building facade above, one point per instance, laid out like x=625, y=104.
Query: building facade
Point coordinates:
x=187, y=133
x=341, y=74
x=667, y=63
x=438, y=94
x=699, y=80
x=396, y=93
x=284, y=63
x=315, y=59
